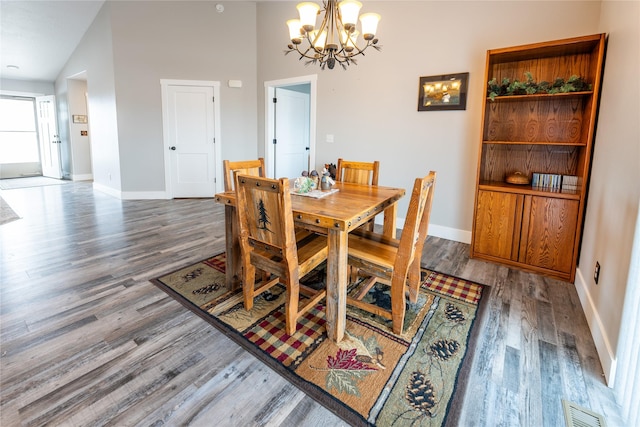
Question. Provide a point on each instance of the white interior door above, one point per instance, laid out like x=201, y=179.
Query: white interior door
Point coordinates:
x=48, y=136
x=190, y=140
x=291, y=130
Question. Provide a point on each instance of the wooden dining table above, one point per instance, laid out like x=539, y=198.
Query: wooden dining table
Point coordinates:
x=336, y=214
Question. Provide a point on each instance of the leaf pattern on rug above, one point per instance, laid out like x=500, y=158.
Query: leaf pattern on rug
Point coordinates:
x=345, y=371
x=367, y=350
x=346, y=360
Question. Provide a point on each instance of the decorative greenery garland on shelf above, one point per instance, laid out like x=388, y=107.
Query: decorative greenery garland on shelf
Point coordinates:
x=529, y=86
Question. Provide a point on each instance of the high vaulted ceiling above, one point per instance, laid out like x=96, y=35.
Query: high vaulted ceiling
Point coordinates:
x=39, y=36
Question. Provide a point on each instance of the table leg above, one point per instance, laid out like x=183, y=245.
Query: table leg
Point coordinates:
x=232, y=263
x=337, y=279
x=389, y=225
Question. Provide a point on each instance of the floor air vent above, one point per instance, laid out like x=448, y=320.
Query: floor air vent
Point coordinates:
x=577, y=416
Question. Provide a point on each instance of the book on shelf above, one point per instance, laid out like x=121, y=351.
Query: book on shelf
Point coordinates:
x=569, y=183
x=546, y=180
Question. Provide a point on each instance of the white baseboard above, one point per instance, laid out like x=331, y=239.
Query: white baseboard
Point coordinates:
x=131, y=195
x=143, y=195
x=449, y=233
x=600, y=338
x=435, y=230
x=107, y=190
x=82, y=177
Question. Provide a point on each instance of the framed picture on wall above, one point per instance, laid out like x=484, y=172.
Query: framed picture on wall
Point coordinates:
x=445, y=92
x=79, y=118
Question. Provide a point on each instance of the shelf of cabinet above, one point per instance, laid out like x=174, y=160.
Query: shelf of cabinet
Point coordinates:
x=549, y=119
x=534, y=96
x=499, y=160
x=558, y=143
x=527, y=189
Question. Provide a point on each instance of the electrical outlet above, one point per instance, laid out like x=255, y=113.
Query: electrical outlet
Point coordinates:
x=596, y=272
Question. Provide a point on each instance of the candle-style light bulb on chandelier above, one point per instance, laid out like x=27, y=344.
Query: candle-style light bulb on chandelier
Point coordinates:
x=336, y=39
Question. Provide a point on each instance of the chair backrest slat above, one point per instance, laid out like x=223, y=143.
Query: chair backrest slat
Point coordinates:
x=244, y=167
x=358, y=172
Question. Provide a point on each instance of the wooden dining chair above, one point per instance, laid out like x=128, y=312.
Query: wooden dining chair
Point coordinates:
x=247, y=167
x=269, y=242
x=359, y=173
x=230, y=169
x=394, y=262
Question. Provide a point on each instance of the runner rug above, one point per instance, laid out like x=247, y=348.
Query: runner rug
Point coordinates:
x=6, y=213
x=372, y=377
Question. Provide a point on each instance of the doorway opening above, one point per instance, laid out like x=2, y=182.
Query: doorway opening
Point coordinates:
x=290, y=124
x=77, y=152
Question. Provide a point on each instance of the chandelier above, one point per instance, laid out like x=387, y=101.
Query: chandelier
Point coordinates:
x=336, y=39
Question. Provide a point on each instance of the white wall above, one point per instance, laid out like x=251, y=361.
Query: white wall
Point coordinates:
x=94, y=57
x=614, y=192
x=127, y=51
x=185, y=41
x=26, y=86
x=371, y=108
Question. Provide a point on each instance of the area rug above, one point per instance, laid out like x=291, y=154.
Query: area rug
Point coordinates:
x=372, y=377
x=6, y=213
x=32, y=181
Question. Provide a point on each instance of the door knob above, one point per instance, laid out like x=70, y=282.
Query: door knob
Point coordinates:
x=172, y=148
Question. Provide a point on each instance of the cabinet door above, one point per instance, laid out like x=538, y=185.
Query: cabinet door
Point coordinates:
x=550, y=233
x=498, y=222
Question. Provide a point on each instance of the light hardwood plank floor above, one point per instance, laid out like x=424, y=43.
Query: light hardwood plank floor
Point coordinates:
x=86, y=340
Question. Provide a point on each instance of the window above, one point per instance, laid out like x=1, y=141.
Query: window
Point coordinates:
x=18, y=132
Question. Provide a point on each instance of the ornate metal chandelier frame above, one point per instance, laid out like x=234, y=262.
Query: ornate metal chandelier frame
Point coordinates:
x=341, y=41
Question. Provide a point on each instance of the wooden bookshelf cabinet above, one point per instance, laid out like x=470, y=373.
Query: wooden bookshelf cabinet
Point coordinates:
x=536, y=229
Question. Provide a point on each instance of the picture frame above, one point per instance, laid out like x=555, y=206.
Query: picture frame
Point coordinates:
x=444, y=92
x=77, y=118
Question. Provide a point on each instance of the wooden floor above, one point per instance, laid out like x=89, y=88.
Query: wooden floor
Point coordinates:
x=86, y=340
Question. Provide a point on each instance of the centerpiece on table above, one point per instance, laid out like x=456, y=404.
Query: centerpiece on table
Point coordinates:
x=304, y=184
